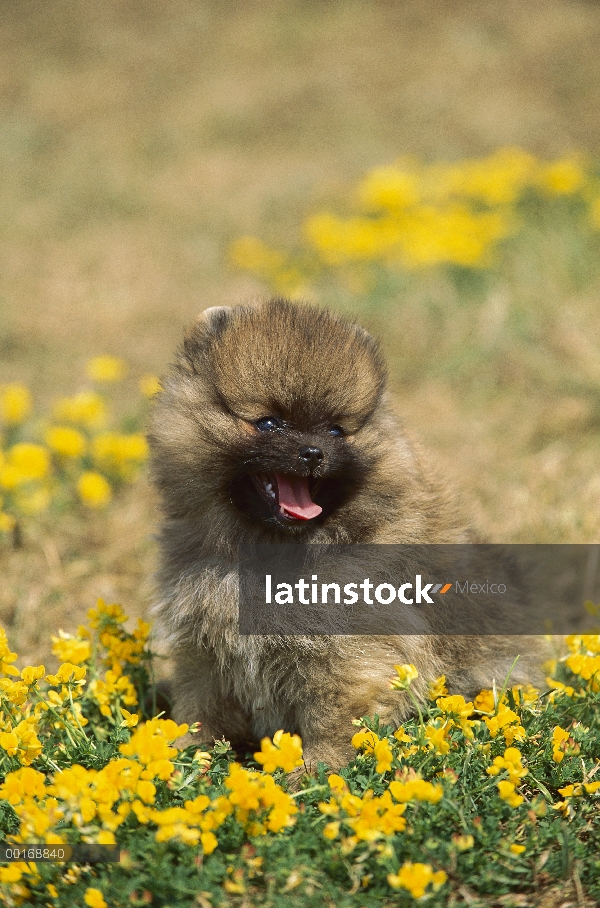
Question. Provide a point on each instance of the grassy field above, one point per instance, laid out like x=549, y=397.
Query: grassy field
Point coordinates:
x=138, y=143
x=139, y=139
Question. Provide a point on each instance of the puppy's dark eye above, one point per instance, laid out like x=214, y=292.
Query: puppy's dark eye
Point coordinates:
x=268, y=423
x=337, y=431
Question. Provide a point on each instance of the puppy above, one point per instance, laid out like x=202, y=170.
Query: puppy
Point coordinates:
x=273, y=426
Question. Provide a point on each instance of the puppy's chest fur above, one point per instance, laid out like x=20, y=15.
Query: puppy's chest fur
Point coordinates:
x=265, y=676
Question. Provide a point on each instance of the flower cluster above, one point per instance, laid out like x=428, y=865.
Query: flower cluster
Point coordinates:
x=410, y=215
x=69, y=454
x=418, y=813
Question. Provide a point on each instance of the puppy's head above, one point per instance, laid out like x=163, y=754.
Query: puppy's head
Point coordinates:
x=264, y=418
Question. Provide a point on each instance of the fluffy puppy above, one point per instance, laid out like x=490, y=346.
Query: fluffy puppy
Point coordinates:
x=273, y=427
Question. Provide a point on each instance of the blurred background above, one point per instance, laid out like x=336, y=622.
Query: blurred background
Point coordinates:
x=139, y=140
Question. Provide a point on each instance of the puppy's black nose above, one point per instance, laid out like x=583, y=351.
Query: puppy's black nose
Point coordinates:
x=312, y=457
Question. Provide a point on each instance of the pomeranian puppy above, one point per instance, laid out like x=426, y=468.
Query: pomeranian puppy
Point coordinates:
x=273, y=427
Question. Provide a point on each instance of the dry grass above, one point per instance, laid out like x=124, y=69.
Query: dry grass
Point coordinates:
x=139, y=138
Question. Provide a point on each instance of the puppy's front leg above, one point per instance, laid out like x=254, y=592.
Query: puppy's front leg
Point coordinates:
x=200, y=694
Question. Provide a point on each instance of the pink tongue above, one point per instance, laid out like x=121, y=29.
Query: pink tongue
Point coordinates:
x=294, y=497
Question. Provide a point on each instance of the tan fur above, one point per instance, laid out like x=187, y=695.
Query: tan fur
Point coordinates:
x=312, y=370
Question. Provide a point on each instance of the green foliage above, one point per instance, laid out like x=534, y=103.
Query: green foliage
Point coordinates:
x=489, y=797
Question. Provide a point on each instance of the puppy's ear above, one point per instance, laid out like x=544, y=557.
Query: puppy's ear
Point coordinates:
x=213, y=314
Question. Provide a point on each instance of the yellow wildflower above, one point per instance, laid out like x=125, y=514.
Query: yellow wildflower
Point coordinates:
x=86, y=409
x=436, y=736
x=437, y=688
x=66, y=441
x=284, y=752
x=331, y=830
x=416, y=789
x=484, y=702
x=463, y=842
x=507, y=792
x=562, y=177
x=130, y=720
x=67, y=673
x=15, y=403
x=559, y=743
x=507, y=722
x=517, y=849
x=416, y=878
x=94, y=490
x=71, y=649
x=16, y=692
x=383, y=755
x=6, y=657
x=510, y=763
x=30, y=674
x=103, y=613
x=106, y=368
x=94, y=898
x=389, y=188
x=405, y=675
x=366, y=740
x=25, y=462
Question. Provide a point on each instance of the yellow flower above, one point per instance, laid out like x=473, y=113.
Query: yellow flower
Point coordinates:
x=383, y=755
x=484, y=702
x=130, y=720
x=106, y=368
x=25, y=462
x=559, y=743
x=149, y=385
x=389, y=188
x=416, y=878
x=406, y=674
x=366, y=740
x=94, y=898
x=30, y=674
x=455, y=706
x=15, y=403
x=562, y=177
x=331, y=830
x=70, y=649
x=437, y=688
x=284, y=752
x=65, y=441
x=463, y=842
x=336, y=782
x=94, y=490
x=121, y=453
x=86, y=408
x=437, y=737
x=67, y=673
x=506, y=790
x=416, y=790
x=510, y=763
x=507, y=722
x=6, y=657
x=517, y=849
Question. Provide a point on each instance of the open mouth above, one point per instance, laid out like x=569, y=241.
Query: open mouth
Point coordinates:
x=290, y=497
